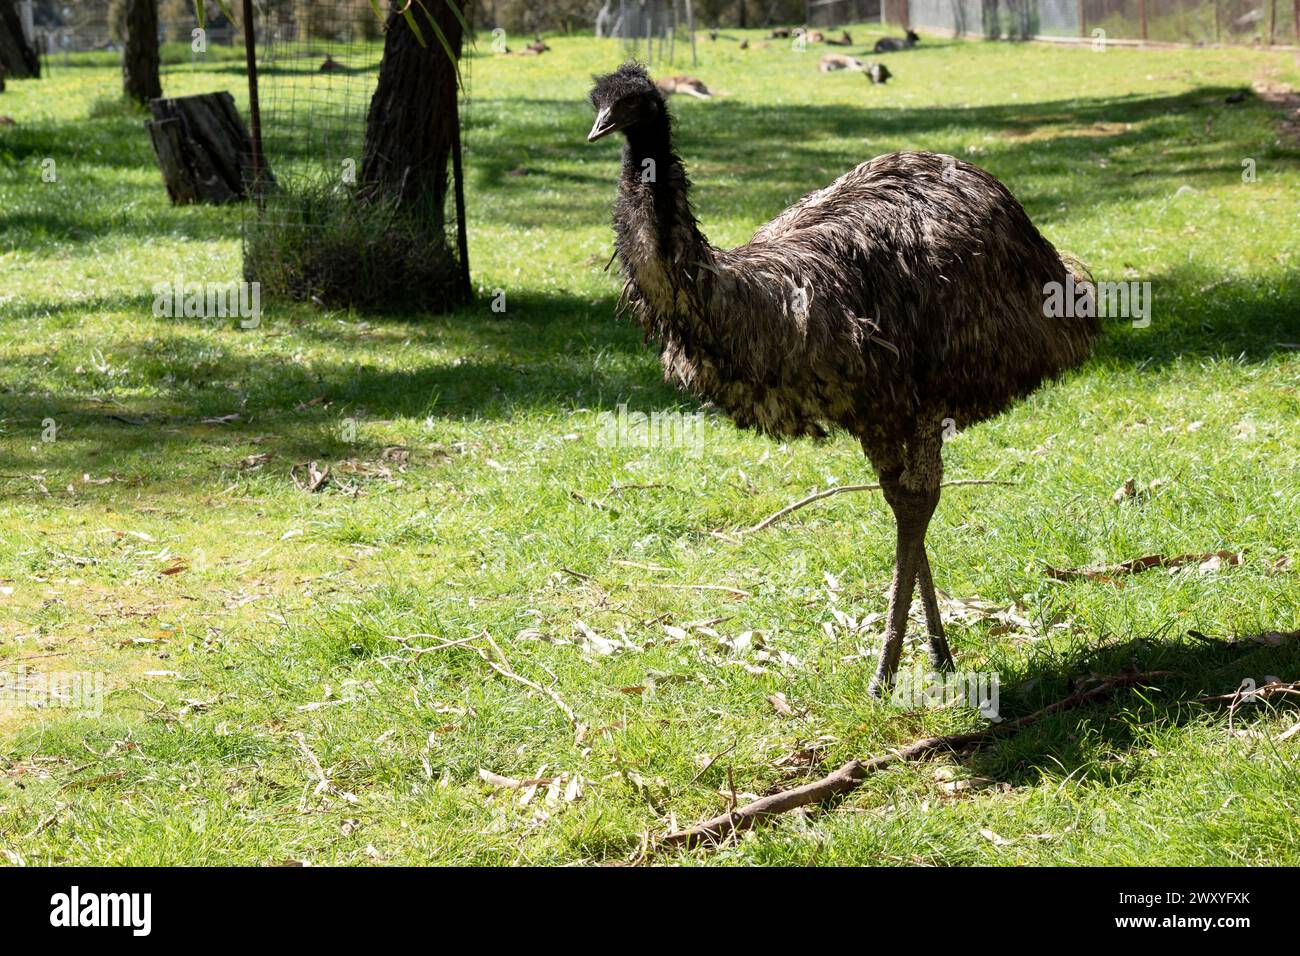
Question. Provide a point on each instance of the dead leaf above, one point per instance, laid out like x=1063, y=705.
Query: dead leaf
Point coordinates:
x=1126, y=490
x=593, y=643
x=511, y=783
x=313, y=477
x=399, y=454
x=994, y=838
x=782, y=706
x=91, y=782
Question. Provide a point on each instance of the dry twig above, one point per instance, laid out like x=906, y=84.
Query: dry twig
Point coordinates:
x=841, y=489
x=502, y=667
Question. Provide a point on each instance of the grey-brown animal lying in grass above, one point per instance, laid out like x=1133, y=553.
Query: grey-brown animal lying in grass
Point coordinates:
x=689, y=85
x=833, y=62
x=893, y=44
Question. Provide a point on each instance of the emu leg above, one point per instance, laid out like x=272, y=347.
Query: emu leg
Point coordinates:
x=912, y=512
x=940, y=655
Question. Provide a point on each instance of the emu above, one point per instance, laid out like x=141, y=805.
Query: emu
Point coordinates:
x=892, y=44
x=902, y=300
x=878, y=73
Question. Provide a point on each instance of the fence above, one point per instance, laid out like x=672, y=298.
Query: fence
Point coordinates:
x=1194, y=22
x=88, y=27
x=836, y=13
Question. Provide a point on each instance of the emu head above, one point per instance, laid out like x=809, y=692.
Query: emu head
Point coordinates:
x=623, y=99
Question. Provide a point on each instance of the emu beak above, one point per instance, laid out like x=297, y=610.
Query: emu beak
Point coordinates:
x=603, y=126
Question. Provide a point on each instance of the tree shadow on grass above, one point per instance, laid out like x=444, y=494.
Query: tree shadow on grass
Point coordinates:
x=1102, y=743
x=550, y=353
x=1056, y=156
x=1069, y=742
x=161, y=378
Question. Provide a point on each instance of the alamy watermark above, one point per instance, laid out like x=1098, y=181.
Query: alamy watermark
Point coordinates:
x=624, y=429
x=1104, y=300
x=209, y=300
x=78, y=691
x=920, y=689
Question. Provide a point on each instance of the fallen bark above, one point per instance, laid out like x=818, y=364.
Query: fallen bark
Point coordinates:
x=853, y=773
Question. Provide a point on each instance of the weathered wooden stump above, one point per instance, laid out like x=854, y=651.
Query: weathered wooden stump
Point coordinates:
x=203, y=148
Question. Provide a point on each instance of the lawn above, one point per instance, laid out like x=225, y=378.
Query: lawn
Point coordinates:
x=307, y=676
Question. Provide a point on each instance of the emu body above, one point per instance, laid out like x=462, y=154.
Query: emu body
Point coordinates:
x=903, y=299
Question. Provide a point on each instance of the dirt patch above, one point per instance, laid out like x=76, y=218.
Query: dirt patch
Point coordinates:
x=1284, y=97
x=1094, y=130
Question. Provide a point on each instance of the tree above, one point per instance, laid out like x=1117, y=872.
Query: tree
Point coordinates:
x=140, y=51
x=413, y=124
x=17, y=57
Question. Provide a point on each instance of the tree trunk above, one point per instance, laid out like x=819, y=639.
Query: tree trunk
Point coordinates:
x=202, y=147
x=140, y=51
x=413, y=127
x=17, y=57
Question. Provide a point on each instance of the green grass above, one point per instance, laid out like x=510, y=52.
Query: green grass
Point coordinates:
x=511, y=520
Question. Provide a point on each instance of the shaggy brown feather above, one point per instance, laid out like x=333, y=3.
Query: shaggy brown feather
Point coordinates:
x=908, y=292
x=922, y=290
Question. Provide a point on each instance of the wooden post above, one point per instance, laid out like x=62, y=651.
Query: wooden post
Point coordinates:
x=1142, y=18
x=254, y=106
x=1083, y=26
x=1272, y=22
x=1216, y=21
x=458, y=184
x=690, y=25
x=672, y=39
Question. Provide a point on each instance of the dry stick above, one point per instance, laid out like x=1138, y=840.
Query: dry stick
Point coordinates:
x=504, y=668
x=777, y=516
x=736, y=592
x=853, y=773
x=1240, y=696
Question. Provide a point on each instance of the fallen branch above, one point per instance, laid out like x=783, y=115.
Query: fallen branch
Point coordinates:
x=841, y=489
x=1107, y=572
x=853, y=773
x=1243, y=694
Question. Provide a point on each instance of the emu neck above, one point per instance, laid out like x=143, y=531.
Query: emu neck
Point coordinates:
x=657, y=238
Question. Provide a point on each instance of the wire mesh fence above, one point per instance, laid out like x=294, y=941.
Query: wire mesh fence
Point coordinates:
x=1192, y=22
x=88, y=33
x=323, y=227
x=651, y=29
x=836, y=13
